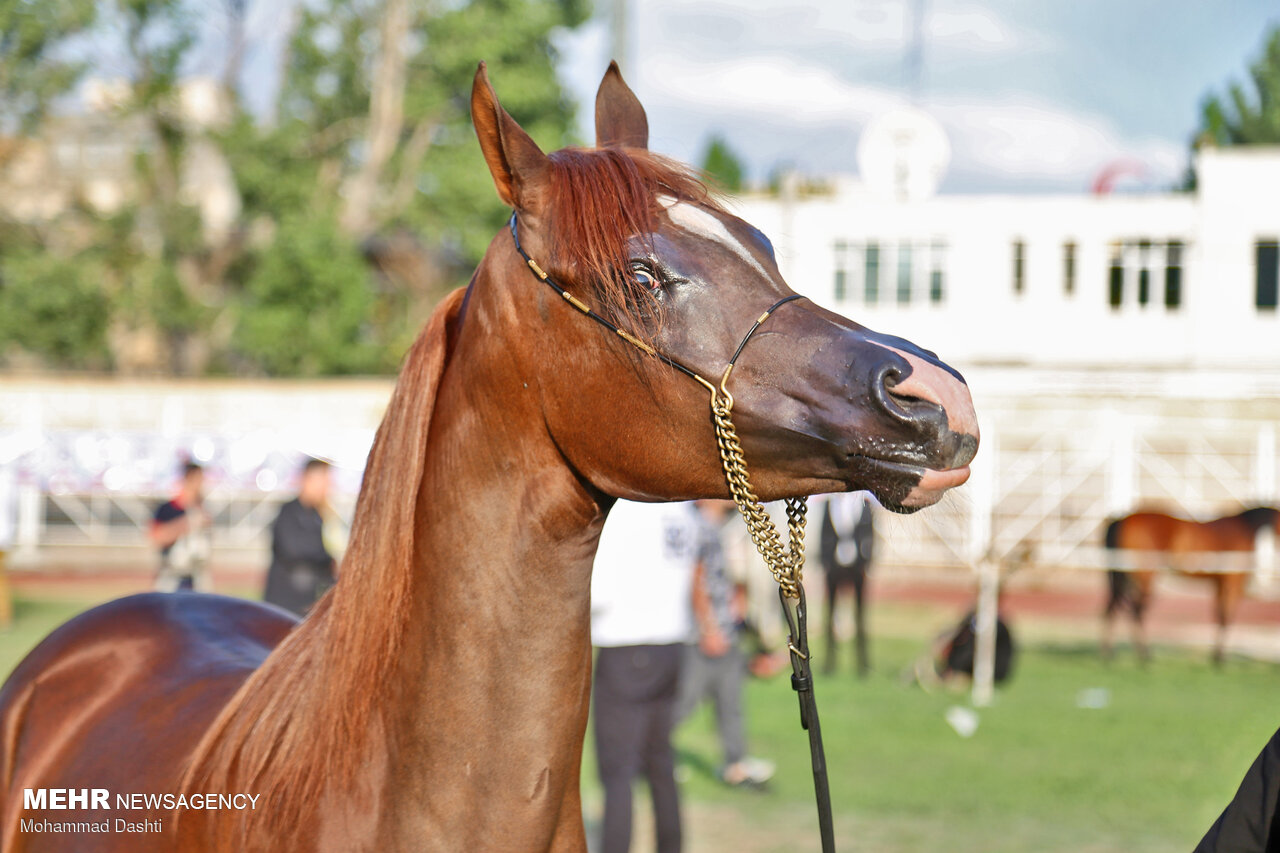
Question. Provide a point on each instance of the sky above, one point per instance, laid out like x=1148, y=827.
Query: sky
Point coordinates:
x=1034, y=95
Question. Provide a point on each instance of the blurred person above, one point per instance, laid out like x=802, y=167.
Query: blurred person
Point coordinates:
x=955, y=650
x=1251, y=821
x=302, y=568
x=763, y=630
x=846, y=543
x=714, y=664
x=640, y=620
x=8, y=533
x=181, y=531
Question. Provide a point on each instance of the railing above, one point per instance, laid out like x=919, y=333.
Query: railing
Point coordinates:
x=1047, y=481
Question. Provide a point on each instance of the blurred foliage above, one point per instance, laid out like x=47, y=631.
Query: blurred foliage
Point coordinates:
x=33, y=67
x=1244, y=117
x=435, y=183
x=1245, y=114
x=362, y=195
x=306, y=303
x=54, y=308
x=721, y=165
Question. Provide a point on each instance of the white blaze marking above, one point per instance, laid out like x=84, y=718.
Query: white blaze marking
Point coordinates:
x=695, y=220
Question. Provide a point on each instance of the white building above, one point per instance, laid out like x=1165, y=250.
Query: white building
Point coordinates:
x=1123, y=350
x=1170, y=280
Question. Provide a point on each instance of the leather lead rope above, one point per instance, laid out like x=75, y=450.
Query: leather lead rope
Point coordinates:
x=786, y=564
x=802, y=683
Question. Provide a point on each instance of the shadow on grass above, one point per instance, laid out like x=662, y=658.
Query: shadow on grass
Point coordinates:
x=697, y=763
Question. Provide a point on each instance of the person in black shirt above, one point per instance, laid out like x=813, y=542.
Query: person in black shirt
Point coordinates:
x=301, y=567
x=180, y=530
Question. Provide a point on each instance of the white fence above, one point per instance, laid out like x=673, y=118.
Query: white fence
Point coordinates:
x=1054, y=467
x=84, y=464
x=1061, y=453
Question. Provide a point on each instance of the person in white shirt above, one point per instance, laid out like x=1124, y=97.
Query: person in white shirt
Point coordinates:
x=641, y=618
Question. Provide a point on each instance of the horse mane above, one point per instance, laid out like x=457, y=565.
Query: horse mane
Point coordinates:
x=600, y=198
x=1259, y=516
x=299, y=721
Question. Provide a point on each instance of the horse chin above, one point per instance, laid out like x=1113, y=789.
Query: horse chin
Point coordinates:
x=905, y=488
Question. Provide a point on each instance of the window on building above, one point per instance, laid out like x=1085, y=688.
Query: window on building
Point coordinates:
x=1019, y=266
x=1115, y=277
x=904, y=274
x=889, y=272
x=1267, y=266
x=842, y=271
x=1173, y=275
x=937, y=283
x=1140, y=269
x=1069, y=268
x=1144, y=272
x=871, y=277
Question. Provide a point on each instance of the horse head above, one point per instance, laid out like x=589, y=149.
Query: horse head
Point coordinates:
x=821, y=403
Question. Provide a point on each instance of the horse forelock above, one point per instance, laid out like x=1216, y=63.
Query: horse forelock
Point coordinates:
x=599, y=201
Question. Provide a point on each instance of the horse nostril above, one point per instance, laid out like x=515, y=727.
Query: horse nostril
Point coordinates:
x=907, y=408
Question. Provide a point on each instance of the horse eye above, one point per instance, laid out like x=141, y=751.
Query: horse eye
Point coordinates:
x=646, y=277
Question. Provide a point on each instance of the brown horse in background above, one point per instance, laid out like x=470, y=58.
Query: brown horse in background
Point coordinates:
x=1165, y=541
x=437, y=697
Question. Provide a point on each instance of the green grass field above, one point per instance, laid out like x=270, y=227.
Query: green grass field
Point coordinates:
x=1149, y=772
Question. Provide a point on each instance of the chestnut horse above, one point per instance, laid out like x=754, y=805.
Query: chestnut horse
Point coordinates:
x=436, y=698
x=1183, y=546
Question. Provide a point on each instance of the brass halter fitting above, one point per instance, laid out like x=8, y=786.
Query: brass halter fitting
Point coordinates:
x=785, y=564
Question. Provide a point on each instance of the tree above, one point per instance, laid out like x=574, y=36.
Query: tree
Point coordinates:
x=1246, y=116
x=307, y=304
x=386, y=109
x=52, y=308
x=32, y=70
x=359, y=203
x=722, y=166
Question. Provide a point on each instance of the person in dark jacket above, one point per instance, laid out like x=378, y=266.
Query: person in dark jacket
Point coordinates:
x=957, y=650
x=845, y=546
x=1251, y=821
x=301, y=567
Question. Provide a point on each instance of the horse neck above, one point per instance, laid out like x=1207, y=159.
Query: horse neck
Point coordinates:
x=494, y=674
x=441, y=690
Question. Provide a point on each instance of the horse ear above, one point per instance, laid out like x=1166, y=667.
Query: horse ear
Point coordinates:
x=620, y=120
x=520, y=170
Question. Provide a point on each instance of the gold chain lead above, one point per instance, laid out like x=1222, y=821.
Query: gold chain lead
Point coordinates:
x=786, y=565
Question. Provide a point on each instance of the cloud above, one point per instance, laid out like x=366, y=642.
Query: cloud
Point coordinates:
x=769, y=84
x=975, y=29
x=882, y=26
x=1011, y=138
x=776, y=87
x=1024, y=139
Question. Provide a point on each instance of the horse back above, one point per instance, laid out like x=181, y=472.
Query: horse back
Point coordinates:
x=118, y=698
x=1146, y=531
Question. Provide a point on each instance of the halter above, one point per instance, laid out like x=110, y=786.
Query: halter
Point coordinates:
x=785, y=564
